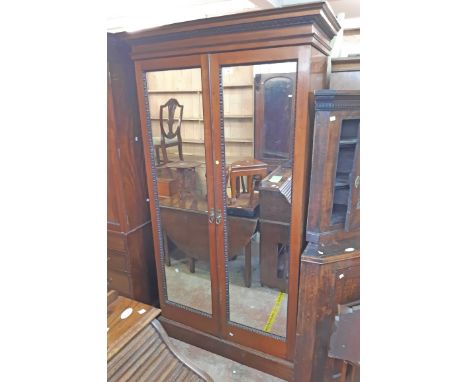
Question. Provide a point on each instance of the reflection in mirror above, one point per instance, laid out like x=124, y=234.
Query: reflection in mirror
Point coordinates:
x=176, y=113
x=258, y=121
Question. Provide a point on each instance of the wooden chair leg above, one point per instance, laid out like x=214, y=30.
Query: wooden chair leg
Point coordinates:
x=181, y=155
x=192, y=264
x=164, y=151
x=167, y=258
x=354, y=377
x=243, y=184
x=344, y=369
x=248, y=265
x=233, y=181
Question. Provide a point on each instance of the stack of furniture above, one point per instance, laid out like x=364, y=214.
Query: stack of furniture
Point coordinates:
x=130, y=256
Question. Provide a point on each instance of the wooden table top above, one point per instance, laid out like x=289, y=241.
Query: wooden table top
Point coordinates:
x=248, y=163
x=182, y=164
x=122, y=328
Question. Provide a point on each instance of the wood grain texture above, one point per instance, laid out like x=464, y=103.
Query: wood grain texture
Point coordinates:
x=299, y=33
x=120, y=331
x=326, y=282
x=312, y=24
x=138, y=348
x=345, y=73
x=129, y=239
x=331, y=156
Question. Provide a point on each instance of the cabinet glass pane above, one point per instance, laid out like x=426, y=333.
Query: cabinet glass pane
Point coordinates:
x=349, y=138
x=177, y=132
x=257, y=124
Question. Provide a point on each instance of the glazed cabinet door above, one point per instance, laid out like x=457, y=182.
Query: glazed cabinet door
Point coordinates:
x=259, y=173
x=345, y=207
x=174, y=100
x=353, y=213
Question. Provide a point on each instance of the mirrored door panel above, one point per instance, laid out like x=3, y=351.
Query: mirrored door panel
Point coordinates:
x=174, y=100
x=257, y=122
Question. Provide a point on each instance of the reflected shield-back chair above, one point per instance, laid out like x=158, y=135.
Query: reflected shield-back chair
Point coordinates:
x=172, y=136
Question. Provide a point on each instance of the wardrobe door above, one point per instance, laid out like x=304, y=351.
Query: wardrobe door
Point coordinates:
x=259, y=241
x=173, y=96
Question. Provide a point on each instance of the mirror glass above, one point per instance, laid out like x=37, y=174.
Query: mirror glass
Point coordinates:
x=174, y=99
x=258, y=125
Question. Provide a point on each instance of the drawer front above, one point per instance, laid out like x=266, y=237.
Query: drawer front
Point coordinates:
x=117, y=261
x=116, y=241
x=120, y=282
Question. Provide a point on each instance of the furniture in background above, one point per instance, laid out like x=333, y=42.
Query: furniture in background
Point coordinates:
x=249, y=168
x=330, y=264
x=138, y=347
x=245, y=203
x=193, y=242
x=345, y=341
x=327, y=281
x=217, y=47
x=274, y=94
x=333, y=215
x=185, y=176
x=171, y=137
x=275, y=218
x=130, y=258
x=345, y=73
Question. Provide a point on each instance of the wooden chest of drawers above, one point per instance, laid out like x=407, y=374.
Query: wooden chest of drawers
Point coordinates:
x=130, y=253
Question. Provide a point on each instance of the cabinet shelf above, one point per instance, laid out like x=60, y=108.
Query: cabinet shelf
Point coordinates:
x=201, y=119
x=238, y=116
x=184, y=119
x=228, y=140
x=173, y=91
x=350, y=141
x=238, y=86
x=152, y=91
x=342, y=180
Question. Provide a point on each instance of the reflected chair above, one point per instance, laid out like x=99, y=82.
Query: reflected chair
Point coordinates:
x=250, y=168
x=171, y=137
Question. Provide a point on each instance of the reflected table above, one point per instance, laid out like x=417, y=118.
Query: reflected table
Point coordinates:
x=185, y=223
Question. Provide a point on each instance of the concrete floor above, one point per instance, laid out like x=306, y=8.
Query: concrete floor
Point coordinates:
x=248, y=306
x=222, y=369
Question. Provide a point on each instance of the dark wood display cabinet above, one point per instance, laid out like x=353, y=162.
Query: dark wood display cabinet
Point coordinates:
x=330, y=264
x=227, y=263
x=130, y=257
x=333, y=219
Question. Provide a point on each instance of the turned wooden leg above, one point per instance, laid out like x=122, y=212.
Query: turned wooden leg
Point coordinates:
x=164, y=151
x=158, y=158
x=344, y=369
x=192, y=264
x=181, y=155
x=233, y=181
x=167, y=258
x=248, y=265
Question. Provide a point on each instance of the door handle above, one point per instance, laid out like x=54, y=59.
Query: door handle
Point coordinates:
x=211, y=216
x=357, y=181
x=218, y=216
